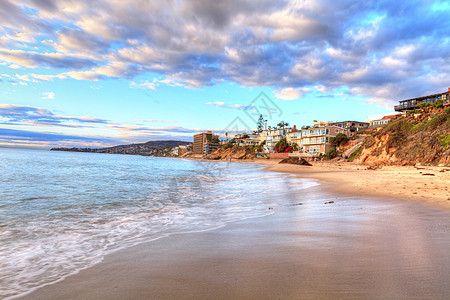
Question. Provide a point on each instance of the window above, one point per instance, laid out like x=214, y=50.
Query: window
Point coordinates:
x=336, y=130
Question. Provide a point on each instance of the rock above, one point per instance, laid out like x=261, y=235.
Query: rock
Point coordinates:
x=295, y=161
x=372, y=167
x=329, y=202
x=427, y=174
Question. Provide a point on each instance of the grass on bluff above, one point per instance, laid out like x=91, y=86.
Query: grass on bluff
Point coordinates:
x=425, y=139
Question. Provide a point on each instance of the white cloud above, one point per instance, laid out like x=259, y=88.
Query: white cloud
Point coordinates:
x=22, y=77
x=144, y=85
x=290, y=93
x=48, y=95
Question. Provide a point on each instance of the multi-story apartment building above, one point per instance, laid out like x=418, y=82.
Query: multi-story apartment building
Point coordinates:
x=273, y=136
x=409, y=104
x=204, y=144
x=316, y=140
x=351, y=126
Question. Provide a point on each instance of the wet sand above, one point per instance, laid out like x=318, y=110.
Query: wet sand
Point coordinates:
x=353, y=248
x=424, y=184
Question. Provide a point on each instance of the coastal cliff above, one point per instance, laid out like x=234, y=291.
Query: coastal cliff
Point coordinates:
x=420, y=137
x=234, y=152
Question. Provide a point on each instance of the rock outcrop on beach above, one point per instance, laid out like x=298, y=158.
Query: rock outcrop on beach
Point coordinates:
x=295, y=161
x=234, y=152
x=420, y=137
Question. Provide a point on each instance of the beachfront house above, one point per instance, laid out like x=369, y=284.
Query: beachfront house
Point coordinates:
x=352, y=126
x=294, y=137
x=273, y=136
x=382, y=121
x=248, y=140
x=410, y=104
x=317, y=140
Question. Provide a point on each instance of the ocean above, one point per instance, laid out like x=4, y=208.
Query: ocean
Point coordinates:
x=61, y=212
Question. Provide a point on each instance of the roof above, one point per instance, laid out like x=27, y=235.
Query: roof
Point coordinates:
x=389, y=117
x=426, y=97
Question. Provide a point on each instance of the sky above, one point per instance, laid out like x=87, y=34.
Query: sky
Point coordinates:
x=107, y=72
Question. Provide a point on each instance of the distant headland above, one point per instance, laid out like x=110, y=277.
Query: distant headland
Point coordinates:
x=151, y=148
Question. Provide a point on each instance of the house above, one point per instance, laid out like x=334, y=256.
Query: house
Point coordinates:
x=410, y=104
x=382, y=121
x=317, y=140
x=273, y=136
x=249, y=140
x=294, y=137
x=322, y=123
x=352, y=126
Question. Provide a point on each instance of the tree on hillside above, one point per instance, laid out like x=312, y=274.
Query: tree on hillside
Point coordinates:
x=260, y=124
x=340, y=139
x=281, y=146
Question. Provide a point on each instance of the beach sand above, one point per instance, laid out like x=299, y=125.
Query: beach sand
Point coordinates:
x=357, y=247
x=424, y=184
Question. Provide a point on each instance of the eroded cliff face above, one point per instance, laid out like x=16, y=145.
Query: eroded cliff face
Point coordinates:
x=235, y=152
x=422, y=138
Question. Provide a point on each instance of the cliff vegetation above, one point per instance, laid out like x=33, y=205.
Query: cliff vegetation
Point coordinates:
x=420, y=137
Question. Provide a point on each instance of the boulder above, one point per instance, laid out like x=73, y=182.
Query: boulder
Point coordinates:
x=295, y=161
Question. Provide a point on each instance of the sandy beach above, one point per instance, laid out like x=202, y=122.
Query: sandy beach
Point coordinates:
x=357, y=247
x=300, y=253
x=424, y=184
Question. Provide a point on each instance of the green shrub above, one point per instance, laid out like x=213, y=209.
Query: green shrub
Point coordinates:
x=419, y=127
x=424, y=105
x=332, y=153
x=355, y=154
x=439, y=119
x=444, y=139
x=439, y=104
x=281, y=146
x=340, y=139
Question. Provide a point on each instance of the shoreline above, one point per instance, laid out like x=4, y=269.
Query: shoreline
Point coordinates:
x=332, y=251
x=297, y=252
x=427, y=185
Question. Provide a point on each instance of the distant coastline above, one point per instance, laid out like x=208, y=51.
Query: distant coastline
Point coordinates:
x=151, y=148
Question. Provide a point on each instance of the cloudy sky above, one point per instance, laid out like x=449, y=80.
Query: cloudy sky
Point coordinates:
x=106, y=72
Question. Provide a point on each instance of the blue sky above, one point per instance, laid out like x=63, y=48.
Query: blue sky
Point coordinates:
x=101, y=73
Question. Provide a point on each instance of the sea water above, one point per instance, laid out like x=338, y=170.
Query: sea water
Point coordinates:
x=61, y=212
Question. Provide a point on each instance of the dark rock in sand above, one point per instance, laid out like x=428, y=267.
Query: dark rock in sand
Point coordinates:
x=295, y=161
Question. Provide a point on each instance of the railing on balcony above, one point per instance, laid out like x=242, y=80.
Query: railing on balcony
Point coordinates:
x=405, y=105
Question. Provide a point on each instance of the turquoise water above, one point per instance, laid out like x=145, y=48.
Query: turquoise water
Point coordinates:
x=61, y=212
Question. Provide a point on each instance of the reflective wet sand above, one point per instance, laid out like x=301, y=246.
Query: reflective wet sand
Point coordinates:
x=353, y=248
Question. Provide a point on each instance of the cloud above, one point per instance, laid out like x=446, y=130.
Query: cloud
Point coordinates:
x=144, y=85
x=222, y=104
x=290, y=93
x=48, y=95
x=366, y=46
x=28, y=115
x=47, y=136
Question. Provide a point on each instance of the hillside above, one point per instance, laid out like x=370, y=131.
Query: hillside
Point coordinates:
x=149, y=148
x=233, y=152
x=422, y=136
